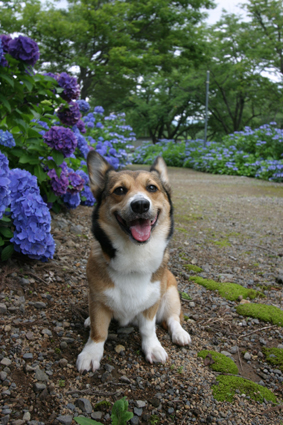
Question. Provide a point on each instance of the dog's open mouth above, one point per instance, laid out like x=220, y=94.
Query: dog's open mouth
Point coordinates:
x=140, y=229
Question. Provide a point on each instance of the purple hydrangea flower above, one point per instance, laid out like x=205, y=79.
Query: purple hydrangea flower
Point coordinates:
x=62, y=139
x=71, y=115
x=5, y=40
x=70, y=86
x=59, y=184
x=25, y=49
x=7, y=139
x=4, y=184
x=81, y=126
x=83, y=105
x=3, y=61
x=31, y=217
x=76, y=182
x=50, y=74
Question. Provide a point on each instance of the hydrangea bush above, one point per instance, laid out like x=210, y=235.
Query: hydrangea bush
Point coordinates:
x=252, y=153
x=45, y=137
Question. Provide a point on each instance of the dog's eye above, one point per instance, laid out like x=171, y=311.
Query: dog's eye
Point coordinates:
x=120, y=190
x=151, y=188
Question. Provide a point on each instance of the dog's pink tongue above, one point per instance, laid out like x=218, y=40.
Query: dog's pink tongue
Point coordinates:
x=140, y=230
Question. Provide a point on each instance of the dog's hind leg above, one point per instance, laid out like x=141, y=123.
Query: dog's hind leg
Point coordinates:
x=170, y=312
x=89, y=358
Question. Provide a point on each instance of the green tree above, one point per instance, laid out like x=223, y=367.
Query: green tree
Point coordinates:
x=111, y=43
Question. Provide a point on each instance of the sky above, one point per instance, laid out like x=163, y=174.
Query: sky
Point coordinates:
x=229, y=5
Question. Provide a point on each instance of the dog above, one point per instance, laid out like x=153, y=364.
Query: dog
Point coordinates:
x=127, y=267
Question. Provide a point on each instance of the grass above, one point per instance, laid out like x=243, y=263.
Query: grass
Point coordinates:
x=193, y=268
x=226, y=387
x=230, y=291
x=266, y=313
x=221, y=363
x=274, y=356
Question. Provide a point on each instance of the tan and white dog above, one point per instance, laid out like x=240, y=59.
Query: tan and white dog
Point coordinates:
x=127, y=268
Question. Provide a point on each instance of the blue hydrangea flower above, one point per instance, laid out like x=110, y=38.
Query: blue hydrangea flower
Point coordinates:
x=31, y=217
x=83, y=105
x=7, y=139
x=70, y=86
x=86, y=195
x=4, y=184
x=99, y=110
x=72, y=200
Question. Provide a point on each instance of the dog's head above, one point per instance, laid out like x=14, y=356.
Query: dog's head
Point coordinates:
x=134, y=205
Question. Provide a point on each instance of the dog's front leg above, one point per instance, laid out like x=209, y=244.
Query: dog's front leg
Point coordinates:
x=100, y=317
x=153, y=350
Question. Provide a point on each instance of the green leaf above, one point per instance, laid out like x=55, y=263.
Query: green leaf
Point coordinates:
x=27, y=83
x=5, y=219
x=120, y=414
x=5, y=103
x=1, y=242
x=86, y=421
x=6, y=232
x=28, y=159
x=8, y=79
x=57, y=156
x=7, y=252
x=39, y=173
x=51, y=197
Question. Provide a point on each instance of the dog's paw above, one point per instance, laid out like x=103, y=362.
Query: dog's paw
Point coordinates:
x=89, y=358
x=87, y=322
x=155, y=353
x=181, y=337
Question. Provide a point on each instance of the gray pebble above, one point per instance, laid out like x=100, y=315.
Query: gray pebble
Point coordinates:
x=247, y=356
x=24, y=281
x=38, y=386
x=28, y=356
x=26, y=416
x=135, y=420
x=39, y=304
x=234, y=349
x=46, y=332
x=40, y=375
x=140, y=404
x=3, y=308
x=84, y=404
x=6, y=362
x=65, y=420
x=280, y=346
x=109, y=367
x=137, y=411
x=96, y=415
x=3, y=375
x=63, y=345
x=5, y=420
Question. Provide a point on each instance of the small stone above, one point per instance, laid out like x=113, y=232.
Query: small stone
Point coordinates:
x=137, y=411
x=244, y=302
x=38, y=387
x=5, y=420
x=46, y=332
x=84, y=404
x=109, y=368
x=30, y=336
x=96, y=415
x=154, y=401
x=77, y=229
x=39, y=305
x=40, y=375
x=3, y=308
x=3, y=375
x=135, y=420
x=247, y=356
x=192, y=304
x=28, y=356
x=171, y=410
x=140, y=404
x=63, y=362
x=63, y=345
x=6, y=362
x=119, y=348
x=24, y=281
x=280, y=346
x=234, y=349
x=65, y=419
x=227, y=354
x=26, y=416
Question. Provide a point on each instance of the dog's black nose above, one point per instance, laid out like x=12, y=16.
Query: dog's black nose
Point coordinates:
x=140, y=206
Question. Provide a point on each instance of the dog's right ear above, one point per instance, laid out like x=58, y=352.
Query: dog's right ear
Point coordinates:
x=97, y=167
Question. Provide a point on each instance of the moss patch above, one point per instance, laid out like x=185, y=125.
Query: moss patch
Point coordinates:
x=266, y=313
x=193, y=268
x=227, y=386
x=221, y=363
x=230, y=291
x=181, y=229
x=185, y=296
x=274, y=356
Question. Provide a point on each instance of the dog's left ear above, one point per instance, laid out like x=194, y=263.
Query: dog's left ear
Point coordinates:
x=98, y=167
x=160, y=167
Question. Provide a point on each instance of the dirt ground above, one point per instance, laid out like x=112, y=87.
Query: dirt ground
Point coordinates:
x=232, y=228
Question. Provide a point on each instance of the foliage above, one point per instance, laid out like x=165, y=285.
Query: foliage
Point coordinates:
x=120, y=414
x=226, y=387
x=266, y=313
x=230, y=291
x=42, y=160
x=247, y=153
x=221, y=363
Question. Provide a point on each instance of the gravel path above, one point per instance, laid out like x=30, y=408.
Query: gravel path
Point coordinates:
x=232, y=228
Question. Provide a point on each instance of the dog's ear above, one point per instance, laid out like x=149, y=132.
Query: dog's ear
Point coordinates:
x=160, y=167
x=98, y=167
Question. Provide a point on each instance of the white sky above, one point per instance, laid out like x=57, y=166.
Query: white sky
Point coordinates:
x=229, y=5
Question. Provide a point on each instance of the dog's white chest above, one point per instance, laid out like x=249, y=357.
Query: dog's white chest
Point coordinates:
x=132, y=294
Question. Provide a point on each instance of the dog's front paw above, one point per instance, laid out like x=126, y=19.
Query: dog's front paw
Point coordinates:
x=181, y=337
x=89, y=358
x=154, y=352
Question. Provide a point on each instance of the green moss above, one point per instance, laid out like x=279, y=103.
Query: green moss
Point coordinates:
x=185, y=296
x=181, y=229
x=222, y=243
x=221, y=363
x=193, y=268
x=103, y=403
x=266, y=313
x=230, y=291
x=227, y=386
x=274, y=356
